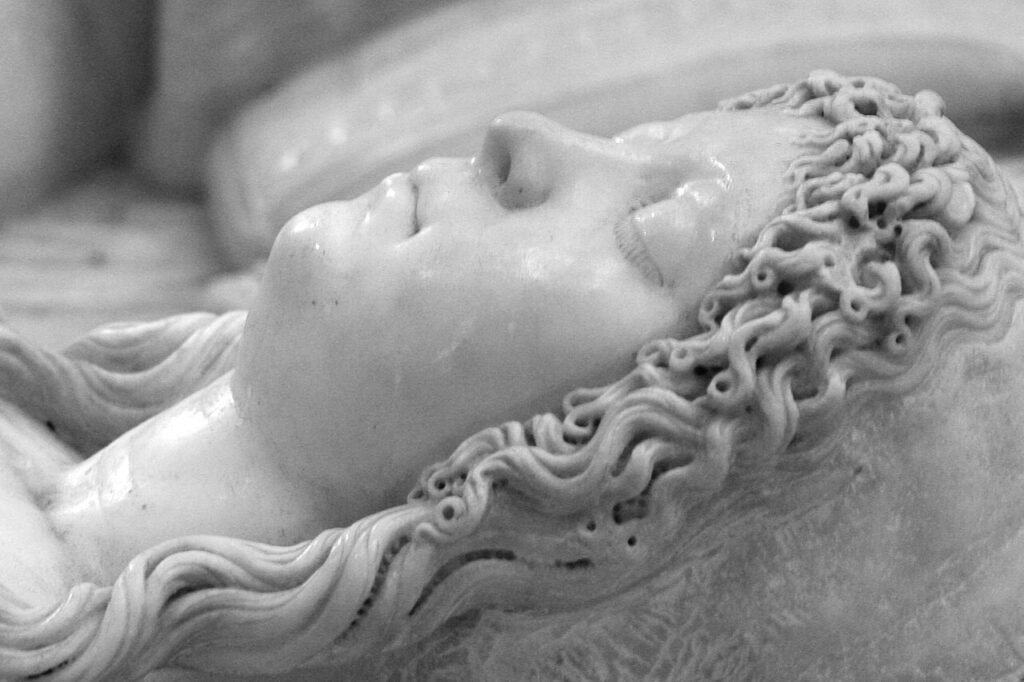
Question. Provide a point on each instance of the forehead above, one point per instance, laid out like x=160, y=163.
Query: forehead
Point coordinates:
x=756, y=148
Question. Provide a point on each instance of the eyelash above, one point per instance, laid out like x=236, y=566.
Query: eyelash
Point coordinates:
x=641, y=203
x=634, y=251
x=632, y=246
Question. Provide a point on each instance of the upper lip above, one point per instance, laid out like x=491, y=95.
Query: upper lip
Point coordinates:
x=397, y=203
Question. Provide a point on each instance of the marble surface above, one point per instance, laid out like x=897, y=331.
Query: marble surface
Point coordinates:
x=111, y=248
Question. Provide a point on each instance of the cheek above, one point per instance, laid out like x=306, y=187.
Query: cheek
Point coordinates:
x=594, y=332
x=515, y=340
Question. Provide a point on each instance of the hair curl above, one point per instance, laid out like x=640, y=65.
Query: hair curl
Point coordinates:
x=901, y=236
x=117, y=376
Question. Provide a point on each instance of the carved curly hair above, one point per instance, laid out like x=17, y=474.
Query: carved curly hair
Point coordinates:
x=900, y=231
x=900, y=237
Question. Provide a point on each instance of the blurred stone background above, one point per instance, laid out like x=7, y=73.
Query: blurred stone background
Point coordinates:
x=154, y=147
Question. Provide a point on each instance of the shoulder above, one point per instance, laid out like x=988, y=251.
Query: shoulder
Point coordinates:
x=35, y=567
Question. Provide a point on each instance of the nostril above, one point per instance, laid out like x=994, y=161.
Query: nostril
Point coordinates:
x=502, y=165
x=495, y=159
x=522, y=174
x=517, y=194
x=517, y=160
x=517, y=175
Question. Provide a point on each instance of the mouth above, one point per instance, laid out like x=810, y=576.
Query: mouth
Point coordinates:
x=409, y=196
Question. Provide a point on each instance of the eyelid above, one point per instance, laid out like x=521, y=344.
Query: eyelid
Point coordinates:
x=657, y=237
x=703, y=191
x=703, y=178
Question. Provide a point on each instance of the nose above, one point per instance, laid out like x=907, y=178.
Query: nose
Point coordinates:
x=529, y=158
x=526, y=156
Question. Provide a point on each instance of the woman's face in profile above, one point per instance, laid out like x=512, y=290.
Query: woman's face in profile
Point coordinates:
x=474, y=291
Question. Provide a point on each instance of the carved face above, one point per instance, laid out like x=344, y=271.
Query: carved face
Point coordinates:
x=475, y=291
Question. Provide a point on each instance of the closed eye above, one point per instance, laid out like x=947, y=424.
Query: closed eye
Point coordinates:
x=679, y=238
x=629, y=236
x=633, y=249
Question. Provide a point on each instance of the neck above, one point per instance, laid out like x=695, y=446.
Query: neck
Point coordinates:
x=197, y=468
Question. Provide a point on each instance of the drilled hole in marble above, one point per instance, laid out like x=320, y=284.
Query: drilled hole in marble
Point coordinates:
x=637, y=507
x=628, y=510
x=378, y=581
x=50, y=671
x=575, y=564
x=866, y=107
x=455, y=564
